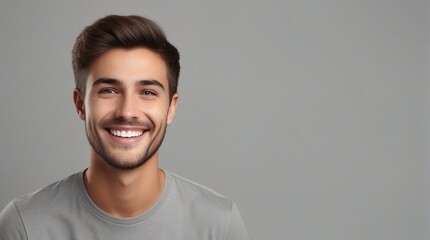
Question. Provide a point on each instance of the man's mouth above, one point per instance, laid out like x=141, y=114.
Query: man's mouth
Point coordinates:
x=125, y=134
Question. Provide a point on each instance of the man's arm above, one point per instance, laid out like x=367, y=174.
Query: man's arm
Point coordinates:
x=11, y=225
x=236, y=228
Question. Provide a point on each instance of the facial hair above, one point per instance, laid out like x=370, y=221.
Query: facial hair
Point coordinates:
x=103, y=153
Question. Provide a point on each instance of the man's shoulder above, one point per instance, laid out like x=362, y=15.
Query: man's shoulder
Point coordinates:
x=198, y=195
x=196, y=187
x=36, y=207
x=206, y=208
x=48, y=195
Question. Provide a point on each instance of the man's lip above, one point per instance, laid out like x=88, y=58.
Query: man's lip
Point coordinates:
x=125, y=128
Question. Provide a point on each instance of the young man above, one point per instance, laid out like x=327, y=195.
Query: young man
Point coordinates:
x=126, y=76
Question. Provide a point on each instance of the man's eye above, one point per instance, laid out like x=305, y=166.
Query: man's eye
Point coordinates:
x=148, y=93
x=107, y=91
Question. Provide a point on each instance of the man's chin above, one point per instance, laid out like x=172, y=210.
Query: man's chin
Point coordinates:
x=124, y=164
x=123, y=159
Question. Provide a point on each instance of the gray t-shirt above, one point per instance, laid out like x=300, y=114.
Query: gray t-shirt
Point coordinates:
x=63, y=210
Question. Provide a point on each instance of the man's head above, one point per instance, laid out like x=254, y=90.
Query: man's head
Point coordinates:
x=122, y=32
x=126, y=79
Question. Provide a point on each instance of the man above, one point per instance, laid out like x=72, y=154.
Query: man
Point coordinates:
x=126, y=75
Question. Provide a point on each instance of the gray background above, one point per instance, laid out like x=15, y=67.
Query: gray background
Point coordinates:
x=312, y=115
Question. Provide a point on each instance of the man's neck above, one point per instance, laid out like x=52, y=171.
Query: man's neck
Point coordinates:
x=124, y=193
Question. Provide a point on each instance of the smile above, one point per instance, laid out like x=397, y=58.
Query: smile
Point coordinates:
x=125, y=134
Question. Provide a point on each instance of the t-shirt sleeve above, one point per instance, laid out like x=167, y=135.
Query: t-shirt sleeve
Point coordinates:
x=11, y=225
x=236, y=229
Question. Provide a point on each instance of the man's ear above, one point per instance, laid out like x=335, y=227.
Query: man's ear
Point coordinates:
x=172, y=108
x=79, y=103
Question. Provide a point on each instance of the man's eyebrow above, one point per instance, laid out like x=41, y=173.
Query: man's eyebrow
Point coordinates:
x=113, y=81
x=151, y=82
x=110, y=81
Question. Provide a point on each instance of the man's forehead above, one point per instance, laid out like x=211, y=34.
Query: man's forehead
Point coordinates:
x=129, y=66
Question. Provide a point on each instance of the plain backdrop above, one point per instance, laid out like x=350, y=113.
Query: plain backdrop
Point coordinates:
x=312, y=115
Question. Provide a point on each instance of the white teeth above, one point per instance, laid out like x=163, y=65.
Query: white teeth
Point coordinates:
x=126, y=134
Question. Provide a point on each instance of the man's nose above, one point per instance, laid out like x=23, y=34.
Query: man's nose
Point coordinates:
x=127, y=107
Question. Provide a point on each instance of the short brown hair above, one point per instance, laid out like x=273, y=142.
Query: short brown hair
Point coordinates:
x=128, y=32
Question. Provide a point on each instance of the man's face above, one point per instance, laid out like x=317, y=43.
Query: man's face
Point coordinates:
x=126, y=107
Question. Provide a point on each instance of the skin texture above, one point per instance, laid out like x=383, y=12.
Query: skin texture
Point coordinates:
x=127, y=90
